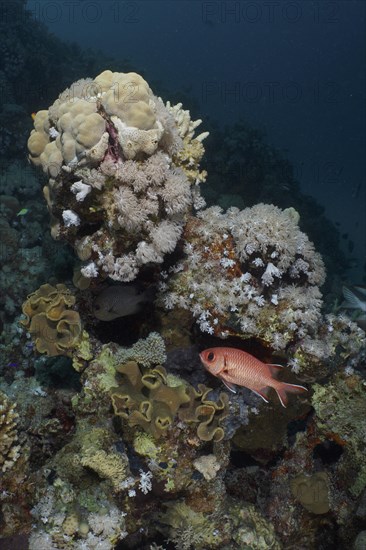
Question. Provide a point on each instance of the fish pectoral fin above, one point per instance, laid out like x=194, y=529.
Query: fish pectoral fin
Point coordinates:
x=225, y=369
x=229, y=385
x=263, y=393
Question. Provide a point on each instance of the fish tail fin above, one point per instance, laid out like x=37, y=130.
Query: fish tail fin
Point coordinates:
x=283, y=389
x=352, y=301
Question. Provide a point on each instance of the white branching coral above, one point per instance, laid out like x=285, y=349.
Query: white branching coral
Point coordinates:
x=251, y=272
x=122, y=170
x=57, y=525
x=145, y=482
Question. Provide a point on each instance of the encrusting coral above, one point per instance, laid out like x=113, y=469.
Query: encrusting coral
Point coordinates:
x=312, y=491
x=123, y=172
x=54, y=326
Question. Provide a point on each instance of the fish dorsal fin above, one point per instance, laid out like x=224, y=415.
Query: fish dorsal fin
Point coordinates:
x=274, y=369
x=262, y=393
x=229, y=385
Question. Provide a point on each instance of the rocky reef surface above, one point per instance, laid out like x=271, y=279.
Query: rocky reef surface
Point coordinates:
x=112, y=434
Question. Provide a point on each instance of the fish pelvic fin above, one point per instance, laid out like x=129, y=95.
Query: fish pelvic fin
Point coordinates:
x=229, y=385
x=263, y=393
x=283, y=389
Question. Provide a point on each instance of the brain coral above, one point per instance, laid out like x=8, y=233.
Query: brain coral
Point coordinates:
x=54, y=326
x=248, y=273
x=9, y=450
x=123, y=170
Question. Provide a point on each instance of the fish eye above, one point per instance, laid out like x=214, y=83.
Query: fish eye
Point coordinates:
x=211, y=356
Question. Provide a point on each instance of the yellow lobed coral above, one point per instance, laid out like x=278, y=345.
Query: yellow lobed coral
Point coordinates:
x=146, y=400
x=207, y=413
x=54, y=326
x=152, y=401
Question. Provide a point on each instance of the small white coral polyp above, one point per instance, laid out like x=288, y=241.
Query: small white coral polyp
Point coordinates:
x=123, y=172
x=251, y=273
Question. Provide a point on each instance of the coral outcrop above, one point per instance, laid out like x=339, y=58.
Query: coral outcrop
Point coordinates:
x=54, y=326
x=123, y=170
x=251, y=273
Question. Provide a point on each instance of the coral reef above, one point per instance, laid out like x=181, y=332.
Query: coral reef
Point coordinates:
x=246, y=170
x=123, y=172
x=99, y=525
x=110, y=443
x=54, y=326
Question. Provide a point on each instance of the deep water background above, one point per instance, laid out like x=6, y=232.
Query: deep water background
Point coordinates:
x=293, y=68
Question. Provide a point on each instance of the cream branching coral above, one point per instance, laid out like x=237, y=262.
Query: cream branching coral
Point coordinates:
x=123, y=172
x=9, y=447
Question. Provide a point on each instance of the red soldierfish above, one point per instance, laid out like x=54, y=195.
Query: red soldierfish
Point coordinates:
x=234, y=366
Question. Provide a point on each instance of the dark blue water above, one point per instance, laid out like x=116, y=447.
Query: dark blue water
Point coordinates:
x=293, y=68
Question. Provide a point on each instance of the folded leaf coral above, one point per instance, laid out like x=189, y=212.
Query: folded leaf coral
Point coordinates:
x=54, y=326
x=147, y=400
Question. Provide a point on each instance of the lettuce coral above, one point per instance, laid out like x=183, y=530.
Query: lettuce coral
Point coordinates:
x=54, y=326
x=146, y=399
x=152, y=400
x=123, y=170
